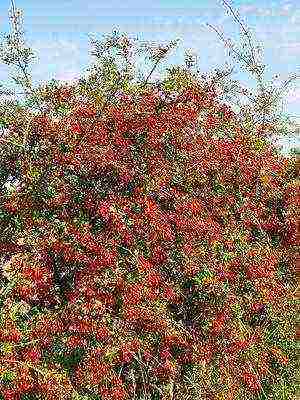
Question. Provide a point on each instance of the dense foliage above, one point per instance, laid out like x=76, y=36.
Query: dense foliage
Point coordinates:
x=149, y=246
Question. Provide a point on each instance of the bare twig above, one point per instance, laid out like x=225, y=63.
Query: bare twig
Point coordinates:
x=221, y=36
x=151, y=72
x=22, y=66
x=16, y=32
x=244, y=30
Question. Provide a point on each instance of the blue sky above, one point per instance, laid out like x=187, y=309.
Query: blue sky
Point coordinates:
x=58, y=30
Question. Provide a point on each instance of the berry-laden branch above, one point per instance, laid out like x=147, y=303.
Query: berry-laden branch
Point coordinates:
x=148, y=238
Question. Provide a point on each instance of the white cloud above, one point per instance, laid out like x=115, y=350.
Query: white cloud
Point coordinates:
x=293, y=48
x=69, y=76
x=293, y=96
x=273, y=11
x=295, y=19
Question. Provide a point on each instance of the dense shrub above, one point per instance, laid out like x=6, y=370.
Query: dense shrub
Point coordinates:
x=149, y=247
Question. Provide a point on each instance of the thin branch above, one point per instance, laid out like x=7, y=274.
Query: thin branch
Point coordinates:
x=221, y=36
x=15, y=33
x=245, y=31
x=111, y=95
x=286, y=83
x=151, y=72
x=225, y=74
x=23, y=67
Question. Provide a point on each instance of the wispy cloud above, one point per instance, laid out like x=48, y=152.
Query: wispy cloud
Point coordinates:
x=256, y=10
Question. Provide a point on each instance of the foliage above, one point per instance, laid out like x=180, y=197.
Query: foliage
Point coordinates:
x=149, y=240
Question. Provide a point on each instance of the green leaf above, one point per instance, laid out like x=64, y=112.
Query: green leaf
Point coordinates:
x=83, y=397
x=123, y=250
x=8, y=376
x=142, y=245
x=155, y=395
x=6, y=348
x=29, y=396
x=295, y=151
x=179, y=238
x=170, y=152
x=69, y=361
x=64, y=148
x=34, y=311
x=256, y=233
x=204, y=273
x=62, y=110
x=287, y=345
x=3, y=123
x=49, y=215
x=82, y=218
x=97, y=225
x=188, y=283
x=60, y=226
x=4, y=173
x=176, y=256
x=34, y=172
x=259, y=144
x=111, y=355
x=128, y=190
x=79, y=197
x=177, y=181
x=177, y=351
x=237, y=310
x=18, y=223
x=132, y=277
x=137, y=208
x=4, y=215
x=227, y=257
x=245, y=285
x=226, y=286
x=169, y=85
x=215, y=373
x=50, y=192
x=275, y=239
x=219, y=189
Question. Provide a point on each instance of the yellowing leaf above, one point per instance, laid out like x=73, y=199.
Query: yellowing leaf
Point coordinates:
x=265, y=179
x=7, y=348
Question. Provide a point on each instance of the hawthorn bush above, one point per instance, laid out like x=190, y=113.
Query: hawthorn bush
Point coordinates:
x=149, y=242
